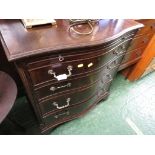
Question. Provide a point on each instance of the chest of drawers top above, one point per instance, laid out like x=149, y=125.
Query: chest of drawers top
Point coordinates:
x=19, y=42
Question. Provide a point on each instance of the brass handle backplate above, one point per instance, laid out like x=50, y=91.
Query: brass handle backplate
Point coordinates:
x=61, y=76
x=112, y=65
x=55, y=88
x=62, y=107
x=64, y=113
x=120, y=51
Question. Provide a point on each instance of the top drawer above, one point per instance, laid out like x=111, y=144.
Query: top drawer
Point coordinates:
x=76, y=64
x=139, y=42
x=149, y=26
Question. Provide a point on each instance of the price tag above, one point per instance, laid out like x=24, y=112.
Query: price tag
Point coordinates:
x=61, y=77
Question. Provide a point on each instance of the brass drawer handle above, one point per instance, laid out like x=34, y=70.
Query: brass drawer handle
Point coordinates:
x=55, y=88
x=65, y=113
x=61, y=76
x=109, y=77
x=119, y=52
x=100, y=92
x=112, y=65
x=62, y=107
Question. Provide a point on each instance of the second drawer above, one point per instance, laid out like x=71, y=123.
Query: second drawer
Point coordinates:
x=139, y=41
x=132, y=55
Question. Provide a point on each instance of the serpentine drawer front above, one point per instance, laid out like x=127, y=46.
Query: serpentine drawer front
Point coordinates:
x=61, y=70
x=66, y=85
x=62, y=87
x=132, y=55
x=75, y=97
x=66, y=74
x=72, y=112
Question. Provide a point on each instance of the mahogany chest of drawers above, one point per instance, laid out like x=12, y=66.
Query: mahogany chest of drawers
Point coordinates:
x=139, y=43
x=142, y=59
x=66, y=74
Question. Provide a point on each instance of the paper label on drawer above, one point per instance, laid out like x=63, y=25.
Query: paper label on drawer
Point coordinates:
x=61, y=77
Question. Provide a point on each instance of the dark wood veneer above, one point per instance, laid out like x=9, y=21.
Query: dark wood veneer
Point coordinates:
x=38, y=50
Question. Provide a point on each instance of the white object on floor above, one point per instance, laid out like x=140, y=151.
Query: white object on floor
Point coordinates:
x=133, y=126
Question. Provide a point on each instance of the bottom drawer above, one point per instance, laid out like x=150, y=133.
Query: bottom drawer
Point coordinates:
x=72, y=112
